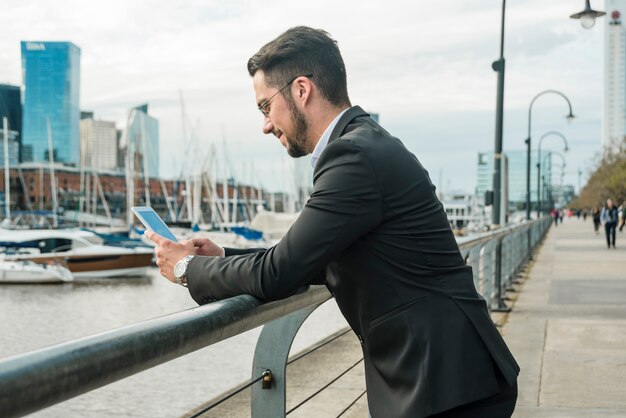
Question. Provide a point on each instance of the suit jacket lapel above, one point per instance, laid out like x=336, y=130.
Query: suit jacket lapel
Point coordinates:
x=347, y=117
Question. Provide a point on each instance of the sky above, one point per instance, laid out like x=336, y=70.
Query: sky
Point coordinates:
x=425, y=67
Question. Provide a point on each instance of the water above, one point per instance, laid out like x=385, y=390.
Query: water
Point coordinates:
x=35, y=316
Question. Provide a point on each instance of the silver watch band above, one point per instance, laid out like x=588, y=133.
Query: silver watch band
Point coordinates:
x=182, y=280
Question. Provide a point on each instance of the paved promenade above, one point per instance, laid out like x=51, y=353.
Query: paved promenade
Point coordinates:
x=567, y=330
x=568, y=327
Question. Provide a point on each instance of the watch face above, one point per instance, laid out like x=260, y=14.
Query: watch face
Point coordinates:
x=180, y=268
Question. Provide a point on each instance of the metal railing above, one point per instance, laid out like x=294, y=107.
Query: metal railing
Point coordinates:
x=38, y=379
x=497, y=256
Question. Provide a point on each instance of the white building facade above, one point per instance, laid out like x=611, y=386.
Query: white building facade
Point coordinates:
x=614, y=111
x=98, y=142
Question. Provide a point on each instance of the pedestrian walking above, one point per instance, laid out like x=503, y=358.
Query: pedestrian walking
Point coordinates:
x=556, y=216
x=596, y=219
x=608, y=217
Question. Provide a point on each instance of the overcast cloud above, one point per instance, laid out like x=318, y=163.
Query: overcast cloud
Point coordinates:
x=424, y=66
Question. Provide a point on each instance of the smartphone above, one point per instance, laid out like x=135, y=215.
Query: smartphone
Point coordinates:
x=151, y=220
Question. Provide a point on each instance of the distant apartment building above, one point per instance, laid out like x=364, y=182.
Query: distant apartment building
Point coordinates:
x=11, y=109
x=98, y=144
x=614, y=111
x=514, y=176
x=51, y=82
x=142, y=141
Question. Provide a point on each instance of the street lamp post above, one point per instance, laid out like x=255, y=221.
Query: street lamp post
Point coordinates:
x=588, y=16
x=560, y=135
x=528, y=141
x=498, y=66
x=580, y=174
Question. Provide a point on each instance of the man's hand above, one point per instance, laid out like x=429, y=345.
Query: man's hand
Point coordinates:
x=168, y=253
x=205, y=246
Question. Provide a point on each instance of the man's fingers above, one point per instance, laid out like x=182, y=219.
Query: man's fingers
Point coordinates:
x=199, y=242
x=156, y=238
x=150, y=235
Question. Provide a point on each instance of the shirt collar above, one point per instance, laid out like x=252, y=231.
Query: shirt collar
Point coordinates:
x=321, y=144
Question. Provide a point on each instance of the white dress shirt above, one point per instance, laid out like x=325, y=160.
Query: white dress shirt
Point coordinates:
x=321, y=144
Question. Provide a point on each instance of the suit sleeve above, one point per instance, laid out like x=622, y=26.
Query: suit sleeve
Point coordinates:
x=344, y=206
x=239, y=251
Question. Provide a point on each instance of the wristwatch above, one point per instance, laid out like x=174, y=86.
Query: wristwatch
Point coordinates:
x=180, y=270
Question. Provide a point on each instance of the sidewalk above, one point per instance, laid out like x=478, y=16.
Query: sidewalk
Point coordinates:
x=568, y=327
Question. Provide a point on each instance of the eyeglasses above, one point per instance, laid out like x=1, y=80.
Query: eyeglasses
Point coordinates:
x=263, y=107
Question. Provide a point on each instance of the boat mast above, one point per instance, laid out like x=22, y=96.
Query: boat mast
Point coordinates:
x=130, y=172
x=146, y=159
x=7, y=190
x=52, y=176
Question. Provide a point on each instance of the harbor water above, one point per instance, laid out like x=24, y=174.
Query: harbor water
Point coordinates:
x=36, y=316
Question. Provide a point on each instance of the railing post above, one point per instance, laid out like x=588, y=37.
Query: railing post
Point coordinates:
x=271, y=353
x=529, y=249
x=500, y=306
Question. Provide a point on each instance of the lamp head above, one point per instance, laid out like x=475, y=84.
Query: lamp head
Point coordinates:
x=588, y=16
x=587, y=21
x=570, y=117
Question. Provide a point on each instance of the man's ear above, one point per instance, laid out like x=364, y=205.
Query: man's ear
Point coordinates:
x=304, y=89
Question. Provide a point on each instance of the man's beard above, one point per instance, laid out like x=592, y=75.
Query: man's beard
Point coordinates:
x=296, y=146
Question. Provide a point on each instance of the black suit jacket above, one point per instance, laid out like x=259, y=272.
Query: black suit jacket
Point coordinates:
x=376, y=233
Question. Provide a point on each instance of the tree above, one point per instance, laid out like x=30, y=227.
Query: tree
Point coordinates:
x=608, y=181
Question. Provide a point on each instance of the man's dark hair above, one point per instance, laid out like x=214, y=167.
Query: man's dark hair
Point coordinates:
x=302, y=50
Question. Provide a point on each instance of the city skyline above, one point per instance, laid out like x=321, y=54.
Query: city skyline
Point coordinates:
x=429, y=78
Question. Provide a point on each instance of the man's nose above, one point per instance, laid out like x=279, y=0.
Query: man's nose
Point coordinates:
x=268, y=126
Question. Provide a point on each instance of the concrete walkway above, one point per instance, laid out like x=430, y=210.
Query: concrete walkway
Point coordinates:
x=568, y=327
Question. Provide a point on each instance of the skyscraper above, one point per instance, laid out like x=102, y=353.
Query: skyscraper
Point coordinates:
x=51, y=80
x=614, y=112
x=143, y=138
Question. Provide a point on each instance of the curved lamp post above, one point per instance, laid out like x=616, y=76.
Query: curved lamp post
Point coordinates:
x=570, y=116
x=588, y=16
x=560, y=135
x=498, y=66
x=549, y=155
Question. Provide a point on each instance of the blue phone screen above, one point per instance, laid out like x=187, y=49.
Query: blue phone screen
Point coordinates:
x=156, y=224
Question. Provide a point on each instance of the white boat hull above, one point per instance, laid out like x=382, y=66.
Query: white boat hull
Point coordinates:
x=16, y=272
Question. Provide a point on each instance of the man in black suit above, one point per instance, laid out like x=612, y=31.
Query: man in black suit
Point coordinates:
x=375, y=233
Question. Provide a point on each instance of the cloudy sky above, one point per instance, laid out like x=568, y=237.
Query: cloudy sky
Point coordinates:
x=425, y=67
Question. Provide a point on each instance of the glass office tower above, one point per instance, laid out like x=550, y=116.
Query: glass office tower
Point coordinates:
x=143, y=134
x=51, y=81
x=516, y=181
